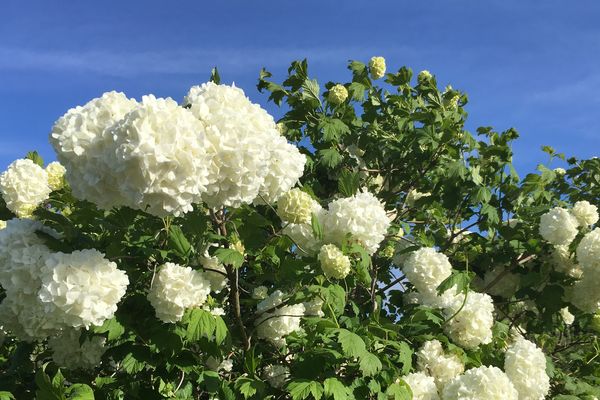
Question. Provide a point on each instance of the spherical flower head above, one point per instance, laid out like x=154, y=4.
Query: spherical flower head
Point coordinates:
x=84, y=146
x=558, y=226
x=422, y=386
x=176, y=288
x=362, y=216
x=337, y=94
x=24, y=186
x=502, y=286
x=472, y=325
x=588, y=250
x=559, y=171
x=286, y=166
x=426, y=269
x=28, y=319
x=69, y=352
x=56, y=175
x=314, y=307
x=260, y=293
x=584, y=294
x=525, y=366
x=334, y=263
x=83, y=285
x=377, y=67
x=276, y=375
x=586, y=213
x=239, y=133
x=564, y=262
x=275, y=321
x=297, y=207
x=415, y=195
x=303, y=236
x=424, y=76
x=443, y=367
x=214, y=272
x=488, y=383
x=160, y=157
x=566, y=316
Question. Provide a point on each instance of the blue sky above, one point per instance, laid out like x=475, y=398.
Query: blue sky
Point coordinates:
x=531, y=65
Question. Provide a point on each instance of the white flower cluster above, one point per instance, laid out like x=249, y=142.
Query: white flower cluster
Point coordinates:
x=361, y=215
x=504, y=286
x=471, y=320
x=303, y=236
x=176, y=288
x=24, y=186
x=426, y=268
x=584, y=294
x=238, y=131
x=337, y=94
x=488, y=383
x=276, y=375
x=334, y=263
x=558, y=226
x=214, y=271
x=566, y=316
x=443, y=367
x=274, y=320
x=56, y=175
x=377, y=67
x=525, y=366
x=586, y=213
x=297, y=207
x=162, y=158
x=422, y=386
x=46, y=291
x=69, y=352
x=84, y=286
x=564, y=262
x=260, y=293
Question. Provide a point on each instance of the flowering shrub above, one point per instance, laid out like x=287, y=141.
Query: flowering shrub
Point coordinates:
x=363, y=246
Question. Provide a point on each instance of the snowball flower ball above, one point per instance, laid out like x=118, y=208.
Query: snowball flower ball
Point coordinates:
x=24, y=186
x=472, y=326
x=159, y=158
x=302, y=235
x=214, y=272
x=84, y=146
x=260, y=293
x=27, y=318
x=422, y=386
x=377, y=67
x=275, y=321
x=443, y=367
x=334, y=263
x=584, y=294
x=56, y=175
x=362, y=216
x=525, y=366
x=276, y=375
x=426, y=269
x=560, y=171
x=566, y=316
x=503, y=286
x=564, y=262
x=337, y=94
x=69, y=352
x=488, y=383
x=558, y=226
x=586, y=213
x=424, y=76
x=84, y=286
x=297, y=207
x=176, y=288
x=588, y=250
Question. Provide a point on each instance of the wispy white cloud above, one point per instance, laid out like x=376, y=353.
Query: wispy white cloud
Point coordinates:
x=587, y=89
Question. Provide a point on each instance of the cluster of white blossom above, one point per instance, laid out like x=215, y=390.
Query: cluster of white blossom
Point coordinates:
x=162, y=158
x=276, y=375
x=24, y=186
x=564, y=262
x=558, y=226
x=47, y=291
x=525, y=366
x=334, y=263
x=443, y=367
x=69, y=352
x=586, y=213
x=500, y=282
x=176, y=288
x=297, y=207
x=314, y=307
x=377, y=67
x=56, y=175
x=243, y=166
x=274, y=320
x=337, y=94
x=426, y=268
x=566, y=316
x=422, y=386
x=471, y=321
x=84, y=286
x=260, y=293
x=584, y=294
x=214, y=271
x=488, y=383
x=303, y=237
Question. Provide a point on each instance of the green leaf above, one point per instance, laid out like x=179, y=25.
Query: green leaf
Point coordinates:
x=333, y=128
x=399, y=391
x=45, y=387
x=221, y=330
x=6, y=396
x=214, y=76
x=202, y=324
x=330, y=158
x=302, y=389
x=460, y=279
x=311, y=90
x=210, y=380
x=348, y=183
x=352, y=344
x=113, y=327
x=230, y=257
x=335, y=296
x=369, y=364
x=317, y=228
x=405, y=353
x=482, y=195
x=248, y=387
x=178, y=242
x=80, y=391
x=36, y=158
x=336, y=389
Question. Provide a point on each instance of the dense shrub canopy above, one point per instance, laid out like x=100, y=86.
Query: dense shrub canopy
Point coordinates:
x=364, y=246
